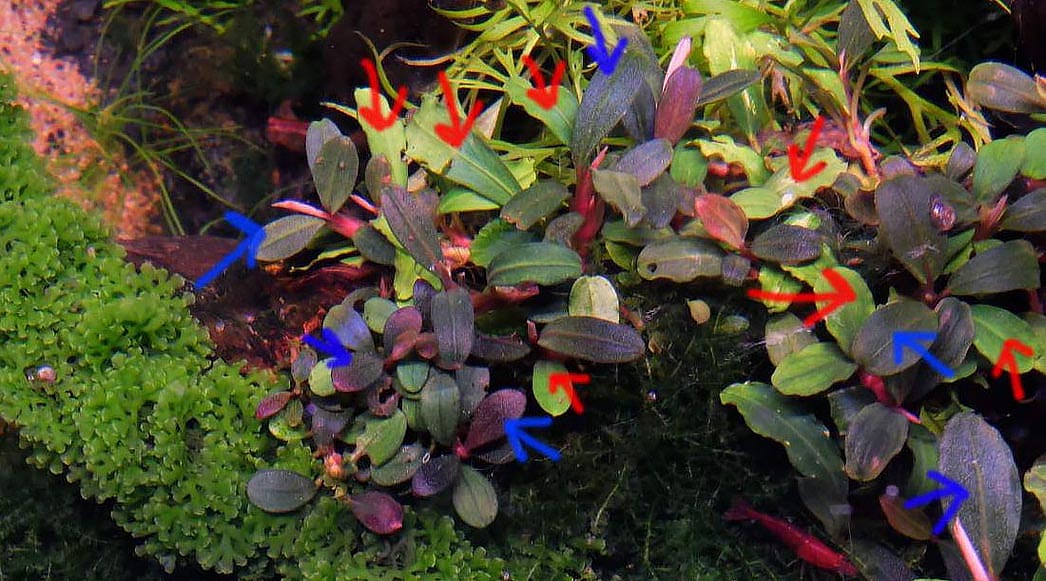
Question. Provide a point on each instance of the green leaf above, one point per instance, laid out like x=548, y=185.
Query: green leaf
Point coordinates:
x=592, y=339
x=689, y=167
x=400, y=468
x=555, y=404
x=373, y=245
x=334, y=171
x=728, y=52
x=727, y=84
x=376, y=312
x=680, y=260
x=495, y=237
x=621, y=191
x=412, y=375
x=790, y=191
x=388, y=143
x=475, y=500
x=993, y=326
x=812, y=370
x=559, y=119
x=349, y=326
x=904, y=204
x=320, y=382
x=845, y=403
x=875, y=435
x=954, y=337
x=411, y=218
x=997, y=164
x=663, y=199
x=287, y=236
x=1010, y=266
x=786, y=335
x=724, y=147
x=1028, y=214
x=453, y=322
x=806, y=440
x=459, y=199
x=758, y=203
x=441, y=407
x=787, y=244
x=1035, y=481
x=603, y=105
x=318, y=133
x=534, y=203
x=381, y=438
x=1034, y=165
x=287, y=426
x=279, y=491
x=975, y=455
x=855, y=36
x=896, y=26
x=538, y=262
x=646, y=161
x=873, y=345
x=594, y=296
x=1004, y=88
x=844, y=322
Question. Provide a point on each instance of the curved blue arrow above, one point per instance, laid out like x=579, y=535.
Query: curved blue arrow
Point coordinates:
x=951, y=488
x=249, y=246
x=517, y=437
x=911, y=340
x=332, y=345
x=598, y=51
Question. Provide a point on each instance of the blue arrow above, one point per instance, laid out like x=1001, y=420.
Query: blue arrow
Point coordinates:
x=911, y=340
x=951, y=488
x=598, y=51
x=332, y=346
x=250, y=245
x=517, y=437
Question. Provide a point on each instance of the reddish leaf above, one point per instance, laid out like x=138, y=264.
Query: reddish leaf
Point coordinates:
x=501, y=455
x=365, y=369
x=499, y=349
x=675, y=111
x=377, y=511
x=426, y=345
x=723, y=219
x=272, y=404
x=435, y=476
x=488, y=422
x=401, y=331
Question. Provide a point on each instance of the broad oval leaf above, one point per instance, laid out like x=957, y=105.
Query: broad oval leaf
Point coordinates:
x=377, y=511
x=400, y=468
x=993, y=326
x=904, y=205
x=594, y=296
x=376, y=312
x=321, y=382
x=554, y=403
x=592, y=339
x=287, y=236
x=435, y=475
x=680, y=260
x=401, y=330
x=844, y=322
x=412, y=219
x=534, y=203
x=473, y=383
x=474, y=498
x=538, y=262
x=873, y=346
x=366, y=368
x=488, y=421
x=280, y=491
x=1013, y=265
x=620, y=190
x=806, y=440
x=785, y=334
x=373, y=245
x=350, y=327
x=318, y=133
x=812, y=370
x=974, y=455
x=997, y=164
x=646, y=161
x=787, y=244
x=453, y=322
x=271, y=404
x=494, y=238
x=911, y=523
x=1028, y=214
x=663, y=199
x=1004, y=88
x=441, y=407
x=1034, y=165
x=334, y=171
x=327, y=424
x=875, y=435
x=954, y=337
x=723, y=219
x=604, y=103
x=412, y=375
x=381, y=438
x=287, y=425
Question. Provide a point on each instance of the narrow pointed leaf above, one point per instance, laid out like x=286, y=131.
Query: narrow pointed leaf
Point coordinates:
x=453, y=321
x=604, y=103
x=723, y=219
x=412, y=219
x=646, y=161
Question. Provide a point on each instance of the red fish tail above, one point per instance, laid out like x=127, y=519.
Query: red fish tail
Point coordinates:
x=740, y=510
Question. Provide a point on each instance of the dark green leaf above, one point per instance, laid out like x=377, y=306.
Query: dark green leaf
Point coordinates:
x=1004, y=88
x=288, y=236
x=954, y=338
x=473, y=383
x=561, y=229
x=1028, y=214
x=534, y=203
x=474, y=499
x=735, y=269
x=604, y=104
x=812, y=370
x=855, y=36
x=366, y=368
x=319, y=132
x=875, y=435
x=495, y=237
x=960, y=162
x=280, y=491
x=974, y=455
x=904, y=206
x=1010, y=266
x=412, y=375
x=592, y=339
x=538, y=262
x=453, y=321
x=727, y=84
x=499, y=349
x=412, y=218
x=381, y=438
x=997, y=165
x=845, y=404
x=373, y=246
x=441, y=407
x=680, y=260
x=400, y=468
x=787, y=244
x=646, y=161
x=662, y=200
x=621, y=191
x=827, y=500
x=873, y=346
x=334, y=172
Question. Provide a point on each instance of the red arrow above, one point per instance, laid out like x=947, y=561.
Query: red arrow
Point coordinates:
x=564, y=381
x=455, y=133
x=372, y=114
x=545, y=97
x=1006, y=359
x=797, y=162
x=843, y=294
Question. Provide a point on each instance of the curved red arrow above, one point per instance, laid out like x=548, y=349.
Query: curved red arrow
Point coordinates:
x=565, y=381
x=842, y=294
x=544, y=96
x=455, y=133
x=373, y=114
x=1006, y=359
x=797, y=162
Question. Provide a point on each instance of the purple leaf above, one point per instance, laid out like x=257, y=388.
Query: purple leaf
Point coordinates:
x=435, y=475
x=272, y=404
x=377, y=511
x=327, y=424
x=675, y=111
x=401, y=331
x=488, y=422
x=365, y=369
x=453, y=321
x=499, y=349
